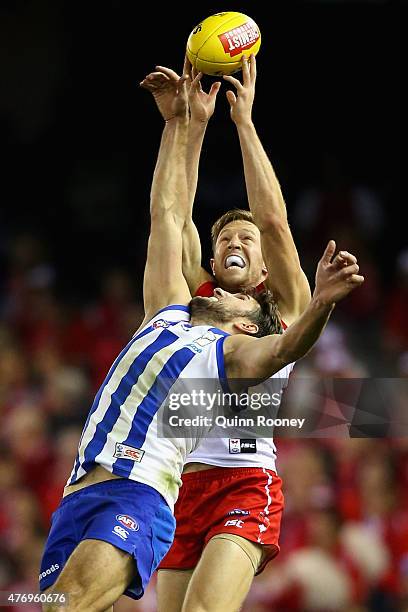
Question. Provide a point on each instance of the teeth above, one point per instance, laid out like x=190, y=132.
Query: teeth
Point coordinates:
x=234, y=260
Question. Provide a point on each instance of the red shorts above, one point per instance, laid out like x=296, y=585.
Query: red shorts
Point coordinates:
x=247, y=502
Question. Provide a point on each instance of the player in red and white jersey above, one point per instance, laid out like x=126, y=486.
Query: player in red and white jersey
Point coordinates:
x=228, y=514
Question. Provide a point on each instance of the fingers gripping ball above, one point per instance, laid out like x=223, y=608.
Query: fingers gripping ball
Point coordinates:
x=217, y=44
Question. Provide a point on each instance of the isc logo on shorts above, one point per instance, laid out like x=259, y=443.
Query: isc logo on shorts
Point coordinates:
x=242, y=446
x=119, y=531
x=122, y=451
x=234, y=523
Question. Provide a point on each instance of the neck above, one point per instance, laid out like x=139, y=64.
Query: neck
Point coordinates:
x=233, y=288
x=227, y=327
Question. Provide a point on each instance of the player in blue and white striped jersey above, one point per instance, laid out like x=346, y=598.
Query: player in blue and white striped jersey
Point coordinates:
x=116, y=513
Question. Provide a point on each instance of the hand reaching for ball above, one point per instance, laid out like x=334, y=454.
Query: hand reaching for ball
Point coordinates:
x=169, y=91
x=202, y=104
x=165, y=84
x=242, y=101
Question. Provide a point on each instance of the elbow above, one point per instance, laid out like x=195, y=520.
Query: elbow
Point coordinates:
x=178, y=218
x=188, y=225
x=272, y=223
x=165, y=216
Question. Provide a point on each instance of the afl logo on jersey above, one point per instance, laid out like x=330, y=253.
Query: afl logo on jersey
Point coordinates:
x=160, y=323
x=127, y=521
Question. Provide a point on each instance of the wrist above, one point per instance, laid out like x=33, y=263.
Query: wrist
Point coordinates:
x=174, y=119
x=321, y=304
x=199, y=124
x=244, y=124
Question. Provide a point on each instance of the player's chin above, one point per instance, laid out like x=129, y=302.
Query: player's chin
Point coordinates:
x=233, y=277
x=200, y=301
x=200, y=304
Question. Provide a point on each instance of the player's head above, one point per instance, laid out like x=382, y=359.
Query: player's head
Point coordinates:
x=236, y=242
x=250, y=313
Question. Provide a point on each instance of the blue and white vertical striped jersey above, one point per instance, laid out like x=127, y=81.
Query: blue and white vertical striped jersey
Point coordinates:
x=121, y=431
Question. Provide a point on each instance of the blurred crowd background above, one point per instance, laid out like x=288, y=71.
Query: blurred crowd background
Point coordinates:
x=79, y=142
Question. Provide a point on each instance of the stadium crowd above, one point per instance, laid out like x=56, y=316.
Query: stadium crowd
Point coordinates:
x=344, y=541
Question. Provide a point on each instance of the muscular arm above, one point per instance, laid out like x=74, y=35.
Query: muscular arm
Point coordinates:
x=162, y=84
x=259, y=358
x=286, y=278
x=201, y=107
x=194, y=274
x=164, y=282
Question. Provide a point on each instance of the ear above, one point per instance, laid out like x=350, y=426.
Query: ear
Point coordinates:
x=246, y=328
x=212, y=264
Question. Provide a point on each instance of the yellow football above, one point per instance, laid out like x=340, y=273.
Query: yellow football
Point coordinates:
x=217, y=44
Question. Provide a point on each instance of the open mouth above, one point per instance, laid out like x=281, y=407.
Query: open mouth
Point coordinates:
x=234, y=261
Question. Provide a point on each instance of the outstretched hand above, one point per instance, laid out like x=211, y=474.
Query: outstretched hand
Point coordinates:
x=336, y=278
x=171, y=92
x=168, y=90
x=202, y=104
x=242, y=101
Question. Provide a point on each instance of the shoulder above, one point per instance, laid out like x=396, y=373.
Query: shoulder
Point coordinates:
x=236, y=341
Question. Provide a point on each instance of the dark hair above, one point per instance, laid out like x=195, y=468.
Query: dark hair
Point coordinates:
x=267, y=317
x=236, y=214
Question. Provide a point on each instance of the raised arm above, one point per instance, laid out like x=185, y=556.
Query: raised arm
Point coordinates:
x=161, y=83
x=286, y=278
x=259, y=358
x=202, y=106
x=164, y=282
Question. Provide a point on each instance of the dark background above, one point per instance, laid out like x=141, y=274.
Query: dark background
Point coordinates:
x=80, y=138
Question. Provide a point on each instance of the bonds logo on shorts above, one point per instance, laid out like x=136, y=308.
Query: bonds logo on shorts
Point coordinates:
x=161, y=323
x=242, y=446
x=54, y=567
x=122, y=451
x=128, y=522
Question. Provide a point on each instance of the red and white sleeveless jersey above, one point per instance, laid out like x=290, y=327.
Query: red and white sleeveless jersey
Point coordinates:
x=237, y=450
